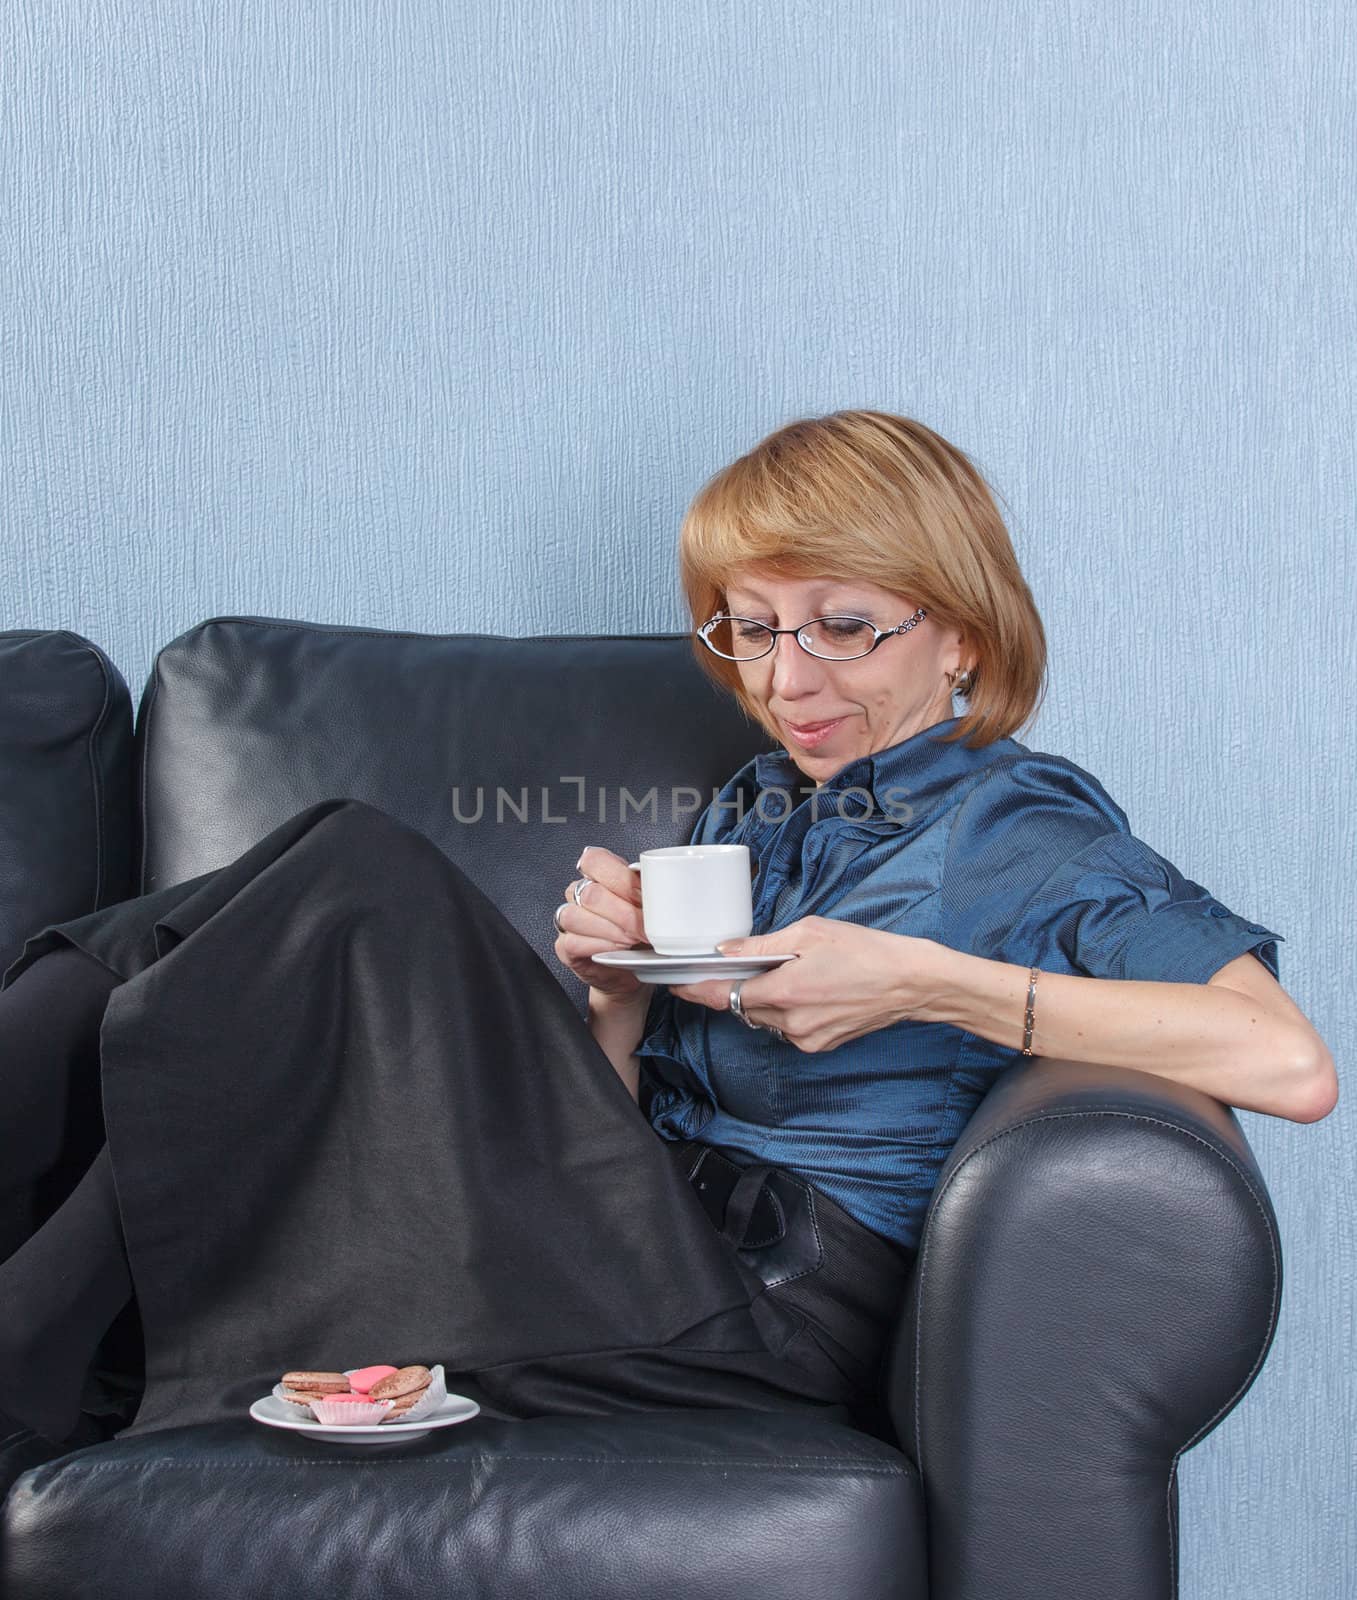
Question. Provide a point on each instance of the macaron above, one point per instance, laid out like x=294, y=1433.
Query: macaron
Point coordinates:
x=361, y=1382
x=350, y=1410
x=317, y=1383
x=405, y=1381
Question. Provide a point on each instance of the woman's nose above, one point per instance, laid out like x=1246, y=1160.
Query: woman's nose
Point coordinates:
x=793, y=668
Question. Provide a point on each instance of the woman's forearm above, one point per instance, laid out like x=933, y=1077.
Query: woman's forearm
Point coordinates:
x=1209, y=1037
x=617, y=1025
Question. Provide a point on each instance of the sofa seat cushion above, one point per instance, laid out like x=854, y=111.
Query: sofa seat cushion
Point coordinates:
x=694, y=1505
x=22, y=1449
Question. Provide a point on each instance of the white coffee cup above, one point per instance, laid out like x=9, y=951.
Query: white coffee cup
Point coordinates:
x=695, y=895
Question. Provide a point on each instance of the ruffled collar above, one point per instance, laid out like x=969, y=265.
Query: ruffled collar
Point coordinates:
x=923, y=762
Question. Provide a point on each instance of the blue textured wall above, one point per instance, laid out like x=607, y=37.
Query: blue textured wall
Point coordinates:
x=433, y=317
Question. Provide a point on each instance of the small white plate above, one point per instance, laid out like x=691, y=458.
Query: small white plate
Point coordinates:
x=275, y=1413
x=651, y=967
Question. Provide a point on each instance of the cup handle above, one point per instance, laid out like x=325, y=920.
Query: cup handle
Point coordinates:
x=634, y=865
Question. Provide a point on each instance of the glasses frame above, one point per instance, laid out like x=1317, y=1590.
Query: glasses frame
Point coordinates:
x=900, y=628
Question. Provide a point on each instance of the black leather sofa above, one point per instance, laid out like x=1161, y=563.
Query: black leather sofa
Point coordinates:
x=1097, y=1286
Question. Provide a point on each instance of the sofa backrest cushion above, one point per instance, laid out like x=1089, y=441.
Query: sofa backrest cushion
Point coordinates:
x=65, y=783
x=510, y=754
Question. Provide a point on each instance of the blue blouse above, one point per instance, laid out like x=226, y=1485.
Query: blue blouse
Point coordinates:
x=1003, y=852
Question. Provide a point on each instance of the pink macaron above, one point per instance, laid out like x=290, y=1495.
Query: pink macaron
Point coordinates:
x=349, y=1410
x=361, y=1382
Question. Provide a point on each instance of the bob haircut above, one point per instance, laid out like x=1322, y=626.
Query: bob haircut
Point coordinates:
x=882, y=499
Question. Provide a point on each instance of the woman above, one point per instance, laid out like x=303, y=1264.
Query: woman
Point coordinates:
x=952, y=897
x=350, y=1116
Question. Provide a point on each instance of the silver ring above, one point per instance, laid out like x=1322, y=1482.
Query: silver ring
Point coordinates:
x=556, y=918
x=737, y=1007
x=577, y=889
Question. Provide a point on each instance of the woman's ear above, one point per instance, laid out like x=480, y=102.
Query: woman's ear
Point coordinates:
x=958, y=651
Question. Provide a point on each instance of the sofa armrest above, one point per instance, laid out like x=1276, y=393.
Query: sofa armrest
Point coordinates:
x=66, y=800
x=1097, y=1286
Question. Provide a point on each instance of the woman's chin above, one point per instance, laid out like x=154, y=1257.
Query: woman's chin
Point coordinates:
x=817, y=767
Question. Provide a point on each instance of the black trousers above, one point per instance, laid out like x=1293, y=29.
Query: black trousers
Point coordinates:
x=352, y=1117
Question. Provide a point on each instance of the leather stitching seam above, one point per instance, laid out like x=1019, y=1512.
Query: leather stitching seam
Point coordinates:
x=480, y=1462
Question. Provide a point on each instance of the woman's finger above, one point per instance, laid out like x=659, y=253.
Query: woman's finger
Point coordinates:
x=714, y=992
x=613, y=925
x=599, y=901
x=576, y=951
x=603, y=867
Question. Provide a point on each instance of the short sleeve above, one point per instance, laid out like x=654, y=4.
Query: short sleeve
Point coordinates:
x=1118, y=909
x=1053, y=878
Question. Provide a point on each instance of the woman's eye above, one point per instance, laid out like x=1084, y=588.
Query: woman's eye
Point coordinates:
x=844, y=627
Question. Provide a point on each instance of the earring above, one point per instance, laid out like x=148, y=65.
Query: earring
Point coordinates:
x=961, y=680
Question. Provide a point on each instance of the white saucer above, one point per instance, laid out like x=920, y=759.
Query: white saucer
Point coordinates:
x=651, y=967
x=274, y=1413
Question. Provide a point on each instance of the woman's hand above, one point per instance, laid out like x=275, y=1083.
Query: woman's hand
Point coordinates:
x=847, y=981
x=605, y=916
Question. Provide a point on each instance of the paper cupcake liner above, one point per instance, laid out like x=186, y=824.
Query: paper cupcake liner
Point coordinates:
x=349, y=1413
x=301, y=1407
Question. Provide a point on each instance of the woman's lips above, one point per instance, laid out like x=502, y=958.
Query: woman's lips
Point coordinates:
x=808, y=735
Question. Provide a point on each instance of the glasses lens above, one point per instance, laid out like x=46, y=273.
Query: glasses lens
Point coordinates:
x=838, y=638
x=737, y=638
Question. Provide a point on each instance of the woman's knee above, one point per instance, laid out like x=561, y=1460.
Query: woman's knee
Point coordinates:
x=385, y=850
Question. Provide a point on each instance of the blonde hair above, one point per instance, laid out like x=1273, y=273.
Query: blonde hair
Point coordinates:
x=866, y=496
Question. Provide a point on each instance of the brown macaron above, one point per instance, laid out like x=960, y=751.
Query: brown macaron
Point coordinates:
x=318, y=1384
x=408, y=1381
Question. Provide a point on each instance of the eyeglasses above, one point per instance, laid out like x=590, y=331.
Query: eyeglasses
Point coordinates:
x=828, y=638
